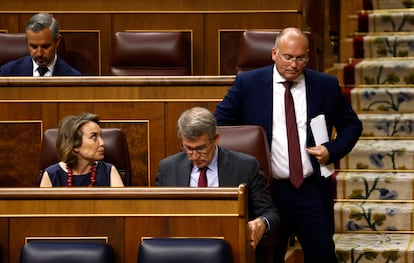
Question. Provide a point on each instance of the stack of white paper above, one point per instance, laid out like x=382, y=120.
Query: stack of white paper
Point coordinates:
x=320, y=134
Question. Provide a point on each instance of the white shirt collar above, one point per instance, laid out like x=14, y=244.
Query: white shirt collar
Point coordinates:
x=51, y=67
x=277, y=78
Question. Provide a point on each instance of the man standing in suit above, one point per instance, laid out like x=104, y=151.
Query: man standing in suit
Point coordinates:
x=43, y=39
x=196, y=130
x=258, y=97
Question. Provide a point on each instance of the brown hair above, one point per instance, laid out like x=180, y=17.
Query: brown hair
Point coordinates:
x=70, y=136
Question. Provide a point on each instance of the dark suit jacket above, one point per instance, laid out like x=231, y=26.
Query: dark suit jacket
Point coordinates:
x=24, y=67
x=250, y=101
x=234, y=168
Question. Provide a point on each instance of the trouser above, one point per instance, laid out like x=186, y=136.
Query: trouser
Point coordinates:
x=305, y=214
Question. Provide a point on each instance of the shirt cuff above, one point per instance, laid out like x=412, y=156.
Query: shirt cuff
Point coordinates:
x=266, y=223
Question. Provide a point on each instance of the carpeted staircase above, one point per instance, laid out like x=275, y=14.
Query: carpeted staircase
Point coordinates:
x=374, y=210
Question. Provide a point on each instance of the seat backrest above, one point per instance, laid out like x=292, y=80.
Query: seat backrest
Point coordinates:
x=13, y=46
x=116, y=151
x=151, y=54
x=184, y=250
x=255, y=50
x=250, y=139
x=66, y=252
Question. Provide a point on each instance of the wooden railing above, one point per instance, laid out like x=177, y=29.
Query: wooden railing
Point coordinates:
x=122, y=216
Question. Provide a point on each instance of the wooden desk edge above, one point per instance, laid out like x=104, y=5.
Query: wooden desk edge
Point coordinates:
x=123, y=193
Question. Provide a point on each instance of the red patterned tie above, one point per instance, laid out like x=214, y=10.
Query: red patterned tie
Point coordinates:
x=202, y=179
x=295, y=160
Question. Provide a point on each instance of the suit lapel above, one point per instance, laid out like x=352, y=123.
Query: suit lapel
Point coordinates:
x=267, y=102
x=225, y=171
x=312, y=97
x=184, y=171
x=26, y=67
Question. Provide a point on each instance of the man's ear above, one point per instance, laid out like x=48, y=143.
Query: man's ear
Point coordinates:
x=274, y=54
x=217, y=138
x=58, y=39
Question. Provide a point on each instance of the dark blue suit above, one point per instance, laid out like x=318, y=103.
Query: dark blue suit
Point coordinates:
x=24, y=67
x=307, y=212
x=234, y=168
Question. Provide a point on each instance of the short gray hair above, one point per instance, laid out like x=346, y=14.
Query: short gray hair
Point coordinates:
x=41, y=21
x=195, y=122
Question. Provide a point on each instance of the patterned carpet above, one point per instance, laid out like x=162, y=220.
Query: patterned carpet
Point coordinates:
x=364, y=248
x=374, y=210
x=390, y=45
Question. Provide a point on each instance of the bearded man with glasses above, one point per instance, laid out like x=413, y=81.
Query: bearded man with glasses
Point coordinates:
x=196, y=130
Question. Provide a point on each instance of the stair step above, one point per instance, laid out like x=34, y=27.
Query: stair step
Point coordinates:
x=393, y=20
x=388, y=4
x=375, y=185
x=383, y=71
x=387, y=125
x=374, y=248
x=383, y=99
x=380, y=155
x=373, y=216
x=380, y=46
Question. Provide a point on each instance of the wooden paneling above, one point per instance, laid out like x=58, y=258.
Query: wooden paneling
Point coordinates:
x=318, y=16
x=101, y=89
x=146, y=109
x=136, y=132
x=4, y=239
x=240, y=22
x=348, y=27
x=203, y=18
x=9, y=24
x=155, y=5
x=19, y=147
x=82, y=50
x=123, y=216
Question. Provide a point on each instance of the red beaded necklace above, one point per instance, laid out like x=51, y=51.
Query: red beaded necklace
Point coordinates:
x=93, y=175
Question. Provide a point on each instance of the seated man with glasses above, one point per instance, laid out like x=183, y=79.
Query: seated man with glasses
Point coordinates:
x=196, y=130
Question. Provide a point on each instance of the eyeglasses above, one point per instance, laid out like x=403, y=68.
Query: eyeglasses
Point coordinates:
x=202, y=150
x=289, y=59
